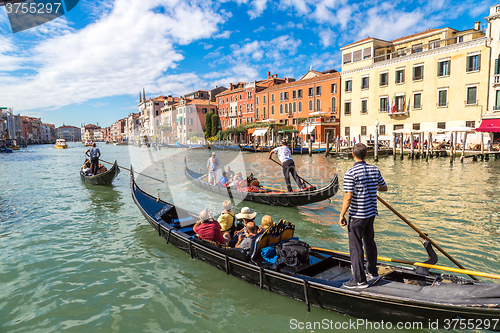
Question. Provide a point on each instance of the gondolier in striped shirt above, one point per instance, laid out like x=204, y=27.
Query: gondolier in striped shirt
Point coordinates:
x=361, y=184
x=285, y=157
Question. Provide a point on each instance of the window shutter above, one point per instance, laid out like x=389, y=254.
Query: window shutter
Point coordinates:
x=478, y=62
x=496, y=67
x=497, y=103
x=347, y=58
x=356, y=56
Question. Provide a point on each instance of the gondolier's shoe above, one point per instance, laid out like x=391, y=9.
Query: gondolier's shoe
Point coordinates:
x=370, y=277
x=351, y=284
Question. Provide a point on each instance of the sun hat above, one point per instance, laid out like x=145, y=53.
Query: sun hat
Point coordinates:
x=246, y=213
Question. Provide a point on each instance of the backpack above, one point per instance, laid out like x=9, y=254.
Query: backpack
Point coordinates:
x=293, y=252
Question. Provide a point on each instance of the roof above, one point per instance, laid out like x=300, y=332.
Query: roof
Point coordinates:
x=360, y=42
x=303, y=82
x=415, y=35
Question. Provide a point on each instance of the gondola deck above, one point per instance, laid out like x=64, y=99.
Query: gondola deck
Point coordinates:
x=400, y=295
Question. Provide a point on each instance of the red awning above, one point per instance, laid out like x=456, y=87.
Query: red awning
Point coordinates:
x=489, y=125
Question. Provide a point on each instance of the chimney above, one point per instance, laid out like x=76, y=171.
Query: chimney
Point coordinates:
x=286, y=80
x=276, y=75
x=268, y=75
x=477, y=25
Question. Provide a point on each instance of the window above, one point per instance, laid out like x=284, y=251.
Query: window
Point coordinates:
x=300, y=106
x=281, y=109
x=251, y=107
x=333, y=88
x=333, y=105
x=417, y=100
x=402, y=52
x=381, y=130
x=497, y=101
x=264, y=112
x=318, y=105
x=416, y=127
x=190, y=121
x=347, y=108
x=347, y=131
x=356, y=56
x=286, y=95
x=384, y=79
x=384, y=104
x=434, y=44
x=294, y=94
x=264, y=99
x=400, y=76
x=365, y=81
x=347, y=58
x=310, y=105
x=272, y=98
x=443, y=98
x=471, y=124
x=441, y=125
x=417, y=48
x=348, y=85
x=364, y=106
x=257, y=101
x=399, y=105
x=460, y=39
x=444, y=68
x=295, y=121
x=398, y=127
x=257, y=112
x=311, y=92
x=367, y=53
x=272, y=110
x=294, y=107
x=281, y=96
x=318, y=91
x=240, y=108
x=418, y=72
x=299, y=93
x=363, y=130
x=473, y=63
x=472, y=95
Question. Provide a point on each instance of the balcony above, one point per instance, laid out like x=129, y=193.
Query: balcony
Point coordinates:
x=496, y=80
x=398, y=113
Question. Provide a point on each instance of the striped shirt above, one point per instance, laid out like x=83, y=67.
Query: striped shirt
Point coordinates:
x=362, y=180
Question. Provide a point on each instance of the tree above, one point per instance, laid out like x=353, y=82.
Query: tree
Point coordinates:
x=215, y=125
x=208, y=124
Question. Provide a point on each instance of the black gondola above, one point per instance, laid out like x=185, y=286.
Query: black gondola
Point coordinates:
x=103, y=178
x=269, y=197
x=399, y=295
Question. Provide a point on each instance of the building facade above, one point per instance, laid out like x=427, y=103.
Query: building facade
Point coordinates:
x=492, y=110
x=92, y=132
x=68, y=133
x=437, y=78
x=48, y=133
x=190, y=119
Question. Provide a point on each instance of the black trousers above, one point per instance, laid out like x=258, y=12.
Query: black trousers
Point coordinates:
x=289, y=167
x=361, y=231
x=94, y=165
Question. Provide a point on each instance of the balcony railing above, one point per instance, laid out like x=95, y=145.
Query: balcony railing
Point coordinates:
x=397, y=112
x=496, y=79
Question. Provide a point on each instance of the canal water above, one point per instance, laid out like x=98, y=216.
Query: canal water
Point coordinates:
x=81, y=258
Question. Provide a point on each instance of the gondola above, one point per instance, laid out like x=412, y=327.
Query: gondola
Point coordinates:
x=348, y=153
x=266, y=196
x=103, y=178
x=217, y=147
x=399, y=295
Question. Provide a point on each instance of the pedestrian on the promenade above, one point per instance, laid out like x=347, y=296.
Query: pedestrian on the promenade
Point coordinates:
x=285, y=157
x=361, y=184
x=94, y=153
x=212, y=166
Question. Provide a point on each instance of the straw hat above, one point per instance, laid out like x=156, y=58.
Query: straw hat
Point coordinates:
x=267, y=222
x=246, y=213
x=213, y=154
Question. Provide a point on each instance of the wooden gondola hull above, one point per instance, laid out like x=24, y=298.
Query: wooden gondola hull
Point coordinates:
x=395, y=305
x=283, y=199
x=103, y=178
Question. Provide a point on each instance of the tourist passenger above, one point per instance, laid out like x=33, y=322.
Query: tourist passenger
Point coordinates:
x=227, y=221
x=212, y=166
x=208, y=229
x=229, y=174
x=285, y=156
x=361, y=184
x=223, y=180
x=86, y=167
x=245, y=242
x=236, y=179
x=246, y=215
x=267, y=222
x=94, y=153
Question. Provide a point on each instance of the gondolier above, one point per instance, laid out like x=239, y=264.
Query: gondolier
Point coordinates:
x=285, y=157
x=94, y=153
x=212, y=166
x=361, y=184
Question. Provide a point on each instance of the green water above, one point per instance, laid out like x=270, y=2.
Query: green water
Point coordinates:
x=82, y=258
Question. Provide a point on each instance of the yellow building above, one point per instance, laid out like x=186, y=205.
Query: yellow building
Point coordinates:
x=437, y=78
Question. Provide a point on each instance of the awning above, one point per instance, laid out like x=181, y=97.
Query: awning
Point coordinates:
x=260, y=132
x=489, y=125
x=308, y=129
x=460, y=129
x=178, y=119
x=269, y=120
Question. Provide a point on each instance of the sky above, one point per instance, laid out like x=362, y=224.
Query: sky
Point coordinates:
x=89, y=65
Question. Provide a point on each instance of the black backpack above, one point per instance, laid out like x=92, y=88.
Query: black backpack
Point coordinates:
x=293, y=252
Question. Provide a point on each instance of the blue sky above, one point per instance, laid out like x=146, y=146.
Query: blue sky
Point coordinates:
x=89, y=65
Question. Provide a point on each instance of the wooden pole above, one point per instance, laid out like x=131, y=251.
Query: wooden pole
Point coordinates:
x=402, y=145
x=482, y=143
x=279, y=163
x=310, y=146
x=451, y=148
x=463, y=147
x=327, y=143
x=412, y=146
x=456, y=143
x=395, y=146
x=423, y=235
x=429, y=143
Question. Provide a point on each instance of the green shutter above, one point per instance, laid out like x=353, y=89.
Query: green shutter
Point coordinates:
x=417, y=100
x=497, y=104
x=479, y=62
x=496, y=67
x=442, y=98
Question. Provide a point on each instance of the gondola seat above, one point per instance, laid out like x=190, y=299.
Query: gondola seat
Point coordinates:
x=273, y=236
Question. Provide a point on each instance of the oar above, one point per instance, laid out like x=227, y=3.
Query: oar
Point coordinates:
x=134, y=171
x=421, y=264
x=423, y=235
x=279, y=163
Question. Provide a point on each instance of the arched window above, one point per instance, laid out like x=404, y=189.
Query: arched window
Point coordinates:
x=318, y=105
x=251, y=107
x=294, y=107
x=264, y=112
x=334, y=104
x=240, y=108
x=290, y=107
x=272, y=110
x=231, y=98
x=240, y=97
x=300, y=106
x=286, y=108
x=310, y=105
x=281, y=109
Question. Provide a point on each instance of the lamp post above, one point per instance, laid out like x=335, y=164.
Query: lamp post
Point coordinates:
x=375, y=149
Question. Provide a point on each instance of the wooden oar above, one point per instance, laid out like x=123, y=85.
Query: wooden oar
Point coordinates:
x=134, y=171
x=423, y=235
x=421, y=264
x=279, y=163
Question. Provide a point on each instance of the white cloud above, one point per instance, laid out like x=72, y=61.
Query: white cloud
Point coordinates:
x=326, y=37
x=223, y=35
x=257, y=8
x=129, y=48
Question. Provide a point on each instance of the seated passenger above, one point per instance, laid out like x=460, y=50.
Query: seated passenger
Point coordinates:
x=227, y=221
x=208, y=229
x=86, y=167
x=267, y=222
x=245, y=243
x=247, y=216
x=229, y=174
x=101, y=168
x=223, y=180
x=236, y=179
